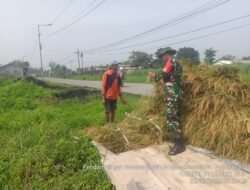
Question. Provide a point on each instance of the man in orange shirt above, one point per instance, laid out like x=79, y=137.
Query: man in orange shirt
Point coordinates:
x=111, y=89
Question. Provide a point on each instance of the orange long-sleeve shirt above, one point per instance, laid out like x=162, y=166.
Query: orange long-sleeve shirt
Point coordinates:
x=110, y=86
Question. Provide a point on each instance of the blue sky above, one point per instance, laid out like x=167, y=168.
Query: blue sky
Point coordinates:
x=114, y=20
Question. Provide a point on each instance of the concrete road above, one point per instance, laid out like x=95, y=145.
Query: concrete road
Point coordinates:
x=133, y=88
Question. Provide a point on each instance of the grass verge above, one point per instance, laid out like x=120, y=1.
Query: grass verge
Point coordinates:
x=42, y=146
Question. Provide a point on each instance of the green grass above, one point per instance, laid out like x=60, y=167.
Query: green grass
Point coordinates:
x=246, y=78
x=37, y=136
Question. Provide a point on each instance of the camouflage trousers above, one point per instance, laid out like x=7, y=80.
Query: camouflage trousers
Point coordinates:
x=172, y=98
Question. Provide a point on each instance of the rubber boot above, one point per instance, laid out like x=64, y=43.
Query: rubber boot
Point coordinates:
x=179, y=147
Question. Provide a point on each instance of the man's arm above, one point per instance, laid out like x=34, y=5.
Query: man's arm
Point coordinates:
x=157, y=76
x=104, y=82
x=123, y=100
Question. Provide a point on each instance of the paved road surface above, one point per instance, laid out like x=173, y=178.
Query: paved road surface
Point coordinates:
x=133, y=88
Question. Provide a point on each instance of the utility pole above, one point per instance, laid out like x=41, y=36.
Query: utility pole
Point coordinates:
x=78, y=59
x=40, y=46
x=82, y=60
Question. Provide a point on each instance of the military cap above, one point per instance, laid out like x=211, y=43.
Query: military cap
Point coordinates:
x=168, y=50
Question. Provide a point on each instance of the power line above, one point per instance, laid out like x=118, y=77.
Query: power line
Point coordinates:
x=53, y=21
x=199, y=10
x=62, y=12
x=82, y=11
x=208, y=35
x=183, y=41
x=174, y=21
x=180, y=42
x=211, y=4
x=66, y=58
x=187, y=17
x=195, y=12
x=70, y=61
x=177, y=35
x=77, y=20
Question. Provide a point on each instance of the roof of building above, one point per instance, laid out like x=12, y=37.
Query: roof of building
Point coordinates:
x=16, y=64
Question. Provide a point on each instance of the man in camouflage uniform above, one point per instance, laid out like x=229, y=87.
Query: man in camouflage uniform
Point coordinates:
x=170, y=77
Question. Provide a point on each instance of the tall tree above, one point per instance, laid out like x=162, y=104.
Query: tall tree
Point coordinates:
x=140, y=59
x=210, y=55
x=188, y=54
x=59, y=70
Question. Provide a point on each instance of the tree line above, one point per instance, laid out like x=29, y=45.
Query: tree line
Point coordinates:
x=188, y=54
x=142, y=59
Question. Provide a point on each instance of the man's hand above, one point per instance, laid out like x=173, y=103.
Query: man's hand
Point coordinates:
x=124, y=102
x=151, y=74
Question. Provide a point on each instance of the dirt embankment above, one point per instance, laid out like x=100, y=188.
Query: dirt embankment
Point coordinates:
x=65, y=92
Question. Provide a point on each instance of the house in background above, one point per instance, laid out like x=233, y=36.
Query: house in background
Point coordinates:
x=15, y=68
